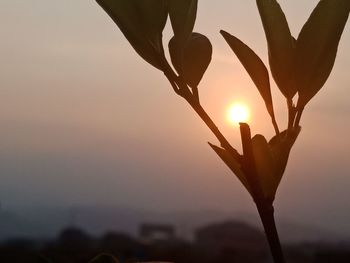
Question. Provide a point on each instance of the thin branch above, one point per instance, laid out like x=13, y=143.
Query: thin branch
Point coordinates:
x=173, y=84
x=266, y=213
x=291, y=113
x=193, y=99
x=275, y=125
x=298, y=118
x=215, y=130
x=195, y=94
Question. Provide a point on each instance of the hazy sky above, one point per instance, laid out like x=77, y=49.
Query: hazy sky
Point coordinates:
x=84, y=120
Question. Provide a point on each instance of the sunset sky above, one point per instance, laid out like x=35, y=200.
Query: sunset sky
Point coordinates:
x=85, y=121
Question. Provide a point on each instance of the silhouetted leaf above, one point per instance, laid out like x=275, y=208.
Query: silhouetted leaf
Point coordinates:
x=232, y=163
x=271, y=159
x=254, y=66
x=317, y=46
x=281, y=146
x=264, y=166
x=280, y=45
x=195, y=60
x=183, y=16
x=142, y=23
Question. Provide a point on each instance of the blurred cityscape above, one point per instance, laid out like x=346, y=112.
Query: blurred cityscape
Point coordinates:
x=221, y=241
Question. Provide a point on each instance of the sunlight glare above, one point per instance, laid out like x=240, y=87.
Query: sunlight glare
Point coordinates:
x=238, y=112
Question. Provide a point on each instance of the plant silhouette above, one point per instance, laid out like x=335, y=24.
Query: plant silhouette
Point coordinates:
x=299, y=66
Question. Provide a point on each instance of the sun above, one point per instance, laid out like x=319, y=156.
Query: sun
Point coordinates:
x=238, y=112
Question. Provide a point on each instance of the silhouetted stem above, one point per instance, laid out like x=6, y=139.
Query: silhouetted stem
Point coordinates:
x=291, y=113
x=196, y=94
x=263, y=205
x=193, y=99
x=298, y=118
x=275, y=125
x=266, y=213
x=211, y=125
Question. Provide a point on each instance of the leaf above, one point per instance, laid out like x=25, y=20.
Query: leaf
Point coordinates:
x=281, y=146
x=232, y=163
x=142, y=23
x=280, y=45
x=182, y=16
x=254, y=66
x=264, y=163
x=317, y=46
x=195, y=59
x=271, y=159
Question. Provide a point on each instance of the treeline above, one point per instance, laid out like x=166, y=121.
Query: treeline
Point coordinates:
x=213, y=244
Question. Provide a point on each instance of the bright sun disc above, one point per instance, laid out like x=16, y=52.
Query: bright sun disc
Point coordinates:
x=237, y=113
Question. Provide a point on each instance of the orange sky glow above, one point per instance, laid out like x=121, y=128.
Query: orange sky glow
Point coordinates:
x=85, y=120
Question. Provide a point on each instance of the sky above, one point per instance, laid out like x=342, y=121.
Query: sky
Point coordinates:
x=85, y=121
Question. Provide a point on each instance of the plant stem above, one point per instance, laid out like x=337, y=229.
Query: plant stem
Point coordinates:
x=291, y=113
x=275, y=125
x=263, y=204
x=193, y=99
x=298, y=118
x=211, y=125
x=266, y=213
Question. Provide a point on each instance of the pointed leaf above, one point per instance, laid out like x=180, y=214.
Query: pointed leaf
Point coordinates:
x=264, y=166
x=232, y=163
x=281, y=146
x=142, y=23
x=317, y=46
x=254, y=66
x=280, y=45
x=182, y=16
x=195, y=59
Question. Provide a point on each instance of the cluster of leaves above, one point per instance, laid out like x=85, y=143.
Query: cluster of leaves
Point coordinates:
x=298, y=66
x=142, y=23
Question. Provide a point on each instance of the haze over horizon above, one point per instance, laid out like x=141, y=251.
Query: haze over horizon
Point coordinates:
x=85, y=121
